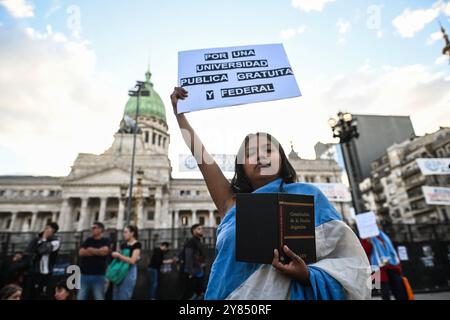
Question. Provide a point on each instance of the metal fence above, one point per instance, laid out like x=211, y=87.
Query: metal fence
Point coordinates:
x=427, y=248
x=426, y=254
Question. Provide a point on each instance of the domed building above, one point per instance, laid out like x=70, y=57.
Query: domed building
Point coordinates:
x=97, y=187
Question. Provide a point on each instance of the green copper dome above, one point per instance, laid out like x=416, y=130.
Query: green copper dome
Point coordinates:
x=149, y=106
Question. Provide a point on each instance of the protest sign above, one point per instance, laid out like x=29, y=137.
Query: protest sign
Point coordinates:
x=230, y=76
x=335, y=192
x=367, y=225
x=436, y=195
x=434, y=166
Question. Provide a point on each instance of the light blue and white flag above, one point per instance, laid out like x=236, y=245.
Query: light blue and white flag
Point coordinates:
x=341, y=272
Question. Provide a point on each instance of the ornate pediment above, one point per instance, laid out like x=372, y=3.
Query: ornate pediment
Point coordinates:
x=107, y=176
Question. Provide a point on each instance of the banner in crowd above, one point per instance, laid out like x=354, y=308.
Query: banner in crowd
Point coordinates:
x=335, y=192
x=434, y=166
x=367, y=225
x=231, y=76
x=436, y=195
x=187, y=162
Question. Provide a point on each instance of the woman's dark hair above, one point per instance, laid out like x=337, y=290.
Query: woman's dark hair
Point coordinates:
x=62, y=284
x=7, y=291
x=241, y=183
x=134, y=231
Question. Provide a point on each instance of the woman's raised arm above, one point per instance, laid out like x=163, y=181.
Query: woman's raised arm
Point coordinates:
x=218, y=185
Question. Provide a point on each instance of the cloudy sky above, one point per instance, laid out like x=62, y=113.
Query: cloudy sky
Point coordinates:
x=66, y=67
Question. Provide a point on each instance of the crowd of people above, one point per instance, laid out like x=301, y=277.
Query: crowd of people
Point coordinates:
x=28, y=276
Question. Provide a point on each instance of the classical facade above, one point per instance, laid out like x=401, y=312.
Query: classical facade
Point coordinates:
x=394, y=189
x=97, y=186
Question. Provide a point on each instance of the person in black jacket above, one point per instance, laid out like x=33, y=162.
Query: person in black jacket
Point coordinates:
x=193, y=263
x=42, y=252
x=16, y=269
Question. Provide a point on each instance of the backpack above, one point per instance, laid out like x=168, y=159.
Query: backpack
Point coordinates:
x=117, y=269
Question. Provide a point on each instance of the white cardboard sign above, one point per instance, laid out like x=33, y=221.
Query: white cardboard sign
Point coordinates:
x=221, y=77
x=367, y=225
x=434, y=166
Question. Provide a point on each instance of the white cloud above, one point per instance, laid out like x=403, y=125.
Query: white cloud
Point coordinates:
x=412, y=90
x=18, y=8
x=435, y=36
x=441, y=60
x=344, y=27
x=409, y=22
x=310, y=5
x=287, y=34
x=53, y=101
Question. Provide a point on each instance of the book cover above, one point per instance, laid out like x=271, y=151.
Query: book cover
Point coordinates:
x=265, y=221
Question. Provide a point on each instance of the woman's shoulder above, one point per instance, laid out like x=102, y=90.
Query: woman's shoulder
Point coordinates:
x=137, y=245
x=301, y=187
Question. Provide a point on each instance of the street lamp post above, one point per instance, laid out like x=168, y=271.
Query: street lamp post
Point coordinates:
x=140, y=91
x=345, y=128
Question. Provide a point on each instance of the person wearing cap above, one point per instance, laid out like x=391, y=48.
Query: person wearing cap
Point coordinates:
x=93, y=263
x=41, y=252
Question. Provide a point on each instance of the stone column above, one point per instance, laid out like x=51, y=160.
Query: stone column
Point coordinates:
x=83, y=214
x=65, y=216
x=33, y=220
x=158, y=199
x=140, y=214
x=176, y=219
x=54, y=216
x=13, y=221
x=120, y=215
x=102, y=211
x=165, y=213
x=194, y=217
x=211, y=218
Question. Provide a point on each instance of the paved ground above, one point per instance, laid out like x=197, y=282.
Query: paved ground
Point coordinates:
x=428, y=296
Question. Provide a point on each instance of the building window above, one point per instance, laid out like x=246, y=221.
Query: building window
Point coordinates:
x=188, y=192
x=184, y=220
x=8, y=224
x=78, y=216
x=181, y=192
x=150, y=215
x=97, y=215
x=201, y=220
x=217, y=220
x=159, y=140
x=154, y=138
x=146, y=136
x=197, y=192
x=328, y=179
x=164, y=142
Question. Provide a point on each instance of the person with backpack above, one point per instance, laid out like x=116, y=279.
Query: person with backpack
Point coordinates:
x=122, y=272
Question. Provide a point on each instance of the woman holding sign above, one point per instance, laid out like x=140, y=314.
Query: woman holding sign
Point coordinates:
x=342, y=270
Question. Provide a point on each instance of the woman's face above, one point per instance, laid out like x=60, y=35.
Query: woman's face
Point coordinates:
x=127, y=234
x=61, y=294
x=262, y=161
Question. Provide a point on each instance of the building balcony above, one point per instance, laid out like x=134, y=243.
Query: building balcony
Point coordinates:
x=415, y=183
x=408, y=173
x=423, y=210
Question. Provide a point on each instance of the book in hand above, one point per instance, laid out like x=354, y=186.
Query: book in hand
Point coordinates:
x=268, y=221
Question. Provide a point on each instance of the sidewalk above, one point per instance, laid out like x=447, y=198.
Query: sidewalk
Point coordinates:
x=427, y=296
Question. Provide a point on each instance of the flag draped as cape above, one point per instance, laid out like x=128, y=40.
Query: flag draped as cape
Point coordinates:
x=341, y=272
